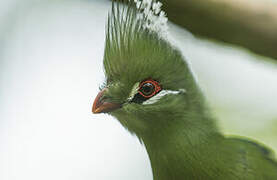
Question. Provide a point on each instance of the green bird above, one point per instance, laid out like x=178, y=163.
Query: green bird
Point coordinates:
x=151, y=90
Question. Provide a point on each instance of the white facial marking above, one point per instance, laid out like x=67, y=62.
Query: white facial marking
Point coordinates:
x=155, y=98
x=133, y=92
x=161, y=94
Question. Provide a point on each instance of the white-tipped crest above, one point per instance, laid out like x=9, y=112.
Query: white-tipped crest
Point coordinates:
x=154, y=19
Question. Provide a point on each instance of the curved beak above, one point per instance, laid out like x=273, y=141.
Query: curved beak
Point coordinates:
x=102, y=106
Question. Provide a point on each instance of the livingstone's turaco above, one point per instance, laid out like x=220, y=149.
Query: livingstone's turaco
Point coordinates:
x=151, y=90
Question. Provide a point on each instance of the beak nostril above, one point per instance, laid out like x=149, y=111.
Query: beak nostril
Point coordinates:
x=103, y=98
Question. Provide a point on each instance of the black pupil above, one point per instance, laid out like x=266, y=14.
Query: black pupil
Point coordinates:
x=147, y=89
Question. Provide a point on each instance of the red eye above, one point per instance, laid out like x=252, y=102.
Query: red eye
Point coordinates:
x=149, y=88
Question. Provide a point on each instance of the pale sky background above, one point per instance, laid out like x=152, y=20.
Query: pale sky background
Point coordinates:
x=51, y=67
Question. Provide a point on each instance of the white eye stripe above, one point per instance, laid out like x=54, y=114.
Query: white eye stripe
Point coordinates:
x=161, y=94
x=133, y=92
x=155, y=98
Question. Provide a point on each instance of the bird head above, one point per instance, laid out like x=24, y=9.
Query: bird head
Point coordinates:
x=148, y=83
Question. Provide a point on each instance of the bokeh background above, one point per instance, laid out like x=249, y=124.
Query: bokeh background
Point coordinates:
x=51, y=67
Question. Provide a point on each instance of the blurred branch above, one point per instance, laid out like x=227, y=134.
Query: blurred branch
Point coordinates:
x=248, y=23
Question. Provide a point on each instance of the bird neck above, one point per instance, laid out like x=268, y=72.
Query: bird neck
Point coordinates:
x=182, y=147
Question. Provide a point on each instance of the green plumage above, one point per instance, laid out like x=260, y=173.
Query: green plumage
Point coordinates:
x=178, y=131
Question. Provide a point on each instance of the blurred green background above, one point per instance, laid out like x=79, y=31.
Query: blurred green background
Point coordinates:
x=51, y=67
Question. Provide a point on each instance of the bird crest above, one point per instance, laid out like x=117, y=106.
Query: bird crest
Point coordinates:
x=135, y=17
x=130, y=25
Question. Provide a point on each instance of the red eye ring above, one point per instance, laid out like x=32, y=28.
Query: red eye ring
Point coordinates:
x=156, y=85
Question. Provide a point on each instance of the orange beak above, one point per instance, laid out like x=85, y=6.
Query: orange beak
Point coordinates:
x=101, y=106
